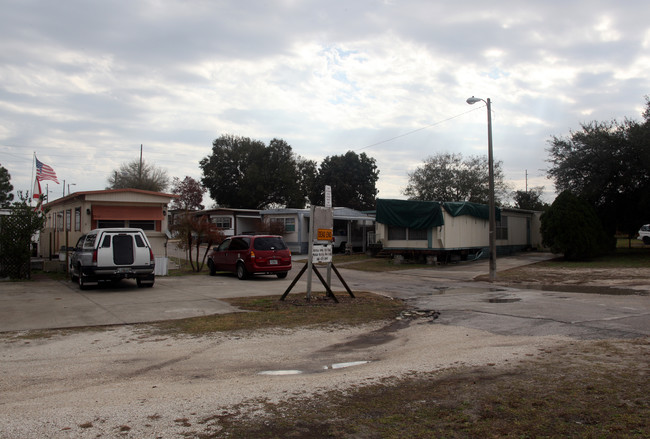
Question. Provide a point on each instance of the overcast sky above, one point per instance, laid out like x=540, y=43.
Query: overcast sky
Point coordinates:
x=84, y=83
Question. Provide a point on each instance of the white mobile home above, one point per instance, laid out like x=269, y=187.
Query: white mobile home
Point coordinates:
x=452, y=230
x=350, y=226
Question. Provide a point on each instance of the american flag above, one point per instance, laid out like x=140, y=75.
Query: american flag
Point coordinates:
x=45, y=172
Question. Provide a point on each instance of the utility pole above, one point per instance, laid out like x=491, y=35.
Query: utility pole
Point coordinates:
x=526, y=180
x=140, y=169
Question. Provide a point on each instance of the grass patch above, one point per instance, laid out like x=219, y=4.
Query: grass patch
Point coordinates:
x=622, y=258
x=184, y=267
x=623, y=266
x=553, y=395
x=624, y=242
x=372, y=264
x=363, y=262
x=295, y=311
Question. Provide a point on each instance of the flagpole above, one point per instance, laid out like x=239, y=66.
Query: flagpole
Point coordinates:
x=33, y=167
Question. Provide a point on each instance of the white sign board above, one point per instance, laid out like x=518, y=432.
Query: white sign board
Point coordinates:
x=321, y=253
x=328, y=197
x=323, y=223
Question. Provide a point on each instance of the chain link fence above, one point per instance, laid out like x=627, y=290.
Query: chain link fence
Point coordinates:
x=16, y=231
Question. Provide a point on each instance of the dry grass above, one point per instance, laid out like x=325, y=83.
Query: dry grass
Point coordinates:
x=595, y=389
x=294, y=311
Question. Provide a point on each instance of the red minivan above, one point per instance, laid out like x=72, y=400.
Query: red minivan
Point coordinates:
x=246, y=255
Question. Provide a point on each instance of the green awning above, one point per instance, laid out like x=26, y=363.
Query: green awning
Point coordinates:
x=426, y=214
x=457, y=208
x=408, y=213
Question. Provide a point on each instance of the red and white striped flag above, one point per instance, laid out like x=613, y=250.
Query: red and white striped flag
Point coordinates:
x=45, y=172
x=37, y=194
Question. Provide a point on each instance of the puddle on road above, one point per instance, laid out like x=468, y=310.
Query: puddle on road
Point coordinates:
x=503, y=299
x=281, y=372
x=344, y=365
x=465, y=290
x=587, y=289
x=327, y=367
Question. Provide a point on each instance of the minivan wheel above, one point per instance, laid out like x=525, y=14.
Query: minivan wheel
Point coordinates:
x=281, y=275
x=646, y=240
x=241, y=271
x=211, y=267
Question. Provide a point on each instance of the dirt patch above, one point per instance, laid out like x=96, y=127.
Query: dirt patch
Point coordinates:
x=629, y=279
x=585, y=389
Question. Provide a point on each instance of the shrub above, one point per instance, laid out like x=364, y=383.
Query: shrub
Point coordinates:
x=572, y=227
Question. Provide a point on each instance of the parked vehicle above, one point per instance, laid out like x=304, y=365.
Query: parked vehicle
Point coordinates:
x=340, y=241
x=247, y=255
x=644, y=233
x=113, y=254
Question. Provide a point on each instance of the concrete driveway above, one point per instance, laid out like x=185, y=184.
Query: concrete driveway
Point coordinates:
x=48, y=304
x=45, y=304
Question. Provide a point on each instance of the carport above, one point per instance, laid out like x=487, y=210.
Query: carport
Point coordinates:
x=355, y=226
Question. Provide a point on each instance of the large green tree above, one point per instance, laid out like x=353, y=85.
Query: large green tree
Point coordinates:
x=608, y=165
x=450, y=177
x=353, y=179
x=530, y=199
x=6, y=197
x=245, y=173
x=572, y=227
x=138, y=174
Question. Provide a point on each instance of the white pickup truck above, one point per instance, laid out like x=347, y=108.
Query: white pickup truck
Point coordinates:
x=644, y=233
x=111, y=255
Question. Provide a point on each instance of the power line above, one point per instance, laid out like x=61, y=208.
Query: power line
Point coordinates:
x=420, y=129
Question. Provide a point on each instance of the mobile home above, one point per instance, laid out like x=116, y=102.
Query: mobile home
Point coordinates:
x=452, y=231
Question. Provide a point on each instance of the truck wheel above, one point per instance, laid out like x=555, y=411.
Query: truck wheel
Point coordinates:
x=73, y=277
x=211, y=267
x=81, y=281
x=241, y=271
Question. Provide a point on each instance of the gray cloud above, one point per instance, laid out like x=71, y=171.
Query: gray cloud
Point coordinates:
x=100, y=78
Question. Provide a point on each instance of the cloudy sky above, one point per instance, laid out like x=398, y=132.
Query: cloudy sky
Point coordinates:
x=84, y=83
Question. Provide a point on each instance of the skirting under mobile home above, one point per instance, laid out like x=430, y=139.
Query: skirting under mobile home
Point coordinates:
x=452, y=231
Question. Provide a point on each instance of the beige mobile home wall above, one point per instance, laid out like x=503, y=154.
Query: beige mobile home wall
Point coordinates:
x=458, y=232
x=516, y=229
x=381, y=231
x=463, y=231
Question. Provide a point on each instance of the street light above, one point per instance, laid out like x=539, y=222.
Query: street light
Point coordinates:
x=492, y=232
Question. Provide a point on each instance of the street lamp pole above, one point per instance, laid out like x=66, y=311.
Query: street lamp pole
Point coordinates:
x=491, y=206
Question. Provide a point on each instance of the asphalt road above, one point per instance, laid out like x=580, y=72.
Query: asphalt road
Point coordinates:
x=49, y=304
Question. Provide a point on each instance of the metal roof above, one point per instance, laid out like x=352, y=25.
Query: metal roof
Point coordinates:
x=340, y=213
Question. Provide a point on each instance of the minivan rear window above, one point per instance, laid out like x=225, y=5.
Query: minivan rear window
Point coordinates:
x=269, y=243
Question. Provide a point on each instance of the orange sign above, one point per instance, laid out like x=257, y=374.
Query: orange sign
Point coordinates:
x=324, y=235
